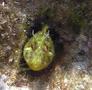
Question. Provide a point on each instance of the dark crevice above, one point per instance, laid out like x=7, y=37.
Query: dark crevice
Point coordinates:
x=58, y=46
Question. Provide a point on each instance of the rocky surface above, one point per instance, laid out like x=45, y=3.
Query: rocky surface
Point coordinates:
x=72, y=69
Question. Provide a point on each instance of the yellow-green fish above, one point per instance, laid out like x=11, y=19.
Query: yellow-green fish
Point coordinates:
x=39, y=51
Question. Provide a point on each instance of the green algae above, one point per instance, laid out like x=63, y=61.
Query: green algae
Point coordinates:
x=77, y=17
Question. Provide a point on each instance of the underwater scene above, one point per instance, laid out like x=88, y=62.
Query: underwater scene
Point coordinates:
x=45, y=44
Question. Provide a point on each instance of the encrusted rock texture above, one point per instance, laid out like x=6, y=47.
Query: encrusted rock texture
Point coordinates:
x=72, y=20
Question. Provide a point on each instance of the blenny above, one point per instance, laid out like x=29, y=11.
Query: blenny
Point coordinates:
x=38, y=52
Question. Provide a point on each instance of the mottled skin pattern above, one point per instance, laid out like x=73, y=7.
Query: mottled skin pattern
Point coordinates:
x=39, y=50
